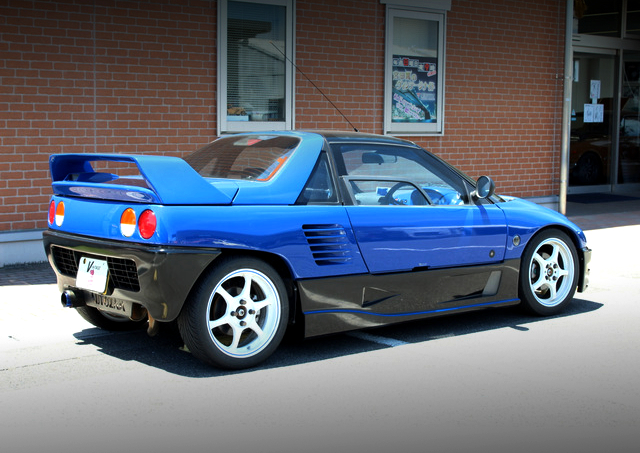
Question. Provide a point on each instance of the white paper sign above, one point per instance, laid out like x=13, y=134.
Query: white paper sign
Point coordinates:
x=594, y=113
x=598, y=113
x=595, y=90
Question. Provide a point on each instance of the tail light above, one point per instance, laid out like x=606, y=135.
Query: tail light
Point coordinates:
x=147, y=224
x=128, y=222
x=59, y=218
x=52, y=212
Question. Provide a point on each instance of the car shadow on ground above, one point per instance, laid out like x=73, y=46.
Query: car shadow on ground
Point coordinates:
x=166, y=351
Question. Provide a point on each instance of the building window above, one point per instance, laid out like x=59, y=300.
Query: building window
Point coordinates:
x=255, y=85
x=632, y=29
x=414, y=72
x=595, y=17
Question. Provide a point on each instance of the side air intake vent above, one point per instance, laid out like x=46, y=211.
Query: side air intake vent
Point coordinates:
x=328, y=244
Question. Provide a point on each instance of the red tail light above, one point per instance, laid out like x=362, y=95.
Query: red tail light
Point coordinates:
x=52, y=212
x=147, y=224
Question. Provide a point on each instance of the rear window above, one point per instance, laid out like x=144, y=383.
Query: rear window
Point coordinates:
x=248, y=157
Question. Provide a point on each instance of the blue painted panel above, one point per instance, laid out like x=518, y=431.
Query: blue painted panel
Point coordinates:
x=401, y=238
x=526, y=218
x=101, y=219
x=316, y=241
x=169, y=180
x=287, y=184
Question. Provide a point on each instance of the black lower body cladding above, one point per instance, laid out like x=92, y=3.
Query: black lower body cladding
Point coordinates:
x=159, y=278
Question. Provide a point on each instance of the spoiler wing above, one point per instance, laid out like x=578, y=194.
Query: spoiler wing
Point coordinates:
x=161, y=180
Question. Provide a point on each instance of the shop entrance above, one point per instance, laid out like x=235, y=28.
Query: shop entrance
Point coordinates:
x=593, y=131
x=629, y=144
x=605, y=121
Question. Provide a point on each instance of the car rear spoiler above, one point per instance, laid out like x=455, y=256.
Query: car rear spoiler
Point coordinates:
x=161, y=180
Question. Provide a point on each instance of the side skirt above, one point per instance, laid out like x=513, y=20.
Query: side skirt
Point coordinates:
x=331, y=305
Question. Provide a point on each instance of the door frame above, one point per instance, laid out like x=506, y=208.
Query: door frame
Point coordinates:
x=615, y=119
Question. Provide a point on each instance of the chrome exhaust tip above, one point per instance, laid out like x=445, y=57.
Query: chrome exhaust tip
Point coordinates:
x=70, y=299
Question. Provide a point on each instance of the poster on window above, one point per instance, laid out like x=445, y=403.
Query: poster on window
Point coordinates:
x=414, y=89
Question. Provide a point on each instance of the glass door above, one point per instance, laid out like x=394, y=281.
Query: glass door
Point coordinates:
x=594, y=130
x=629, y=146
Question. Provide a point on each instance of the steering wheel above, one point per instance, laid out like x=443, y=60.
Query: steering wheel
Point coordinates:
x=388, y=198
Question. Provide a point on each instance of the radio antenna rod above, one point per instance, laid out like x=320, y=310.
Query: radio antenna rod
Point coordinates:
x=315, y=86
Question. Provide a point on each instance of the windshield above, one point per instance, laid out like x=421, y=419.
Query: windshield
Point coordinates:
x=248, y=157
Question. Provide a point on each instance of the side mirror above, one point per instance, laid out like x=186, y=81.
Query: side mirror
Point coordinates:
x=485, y=187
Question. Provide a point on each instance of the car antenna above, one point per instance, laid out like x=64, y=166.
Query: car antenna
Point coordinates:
x=315, y=86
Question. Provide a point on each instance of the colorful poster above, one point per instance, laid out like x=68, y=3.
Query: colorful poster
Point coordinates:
x=414, y=89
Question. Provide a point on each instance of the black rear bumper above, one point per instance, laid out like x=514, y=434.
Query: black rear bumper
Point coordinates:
x=158, y=278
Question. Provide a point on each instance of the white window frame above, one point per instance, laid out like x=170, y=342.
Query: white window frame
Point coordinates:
x=225, y=126
x=397, y=128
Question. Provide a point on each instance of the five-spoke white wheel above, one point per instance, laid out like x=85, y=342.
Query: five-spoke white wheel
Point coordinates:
x=549, y=272
x=237, y=315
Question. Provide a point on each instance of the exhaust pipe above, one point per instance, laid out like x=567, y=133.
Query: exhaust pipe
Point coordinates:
x=70, y=299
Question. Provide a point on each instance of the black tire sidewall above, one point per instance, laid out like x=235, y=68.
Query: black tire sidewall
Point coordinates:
x=193, y=322
x=524, y=287
x=96, y=318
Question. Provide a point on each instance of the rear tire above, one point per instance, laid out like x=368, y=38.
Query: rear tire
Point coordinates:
x=548, y=273
x=237, y=315
x=108, y=321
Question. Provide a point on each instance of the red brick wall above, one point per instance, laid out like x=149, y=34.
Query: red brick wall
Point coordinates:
x=140, y=77
x=340, y=47
x=503, y=100
x=504, y=70
x=134, y=77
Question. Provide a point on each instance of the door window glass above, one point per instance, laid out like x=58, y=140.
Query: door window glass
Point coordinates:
x=388, y=175
x=320, y=188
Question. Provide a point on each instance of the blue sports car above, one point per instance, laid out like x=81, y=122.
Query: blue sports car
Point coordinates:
x=330, y=231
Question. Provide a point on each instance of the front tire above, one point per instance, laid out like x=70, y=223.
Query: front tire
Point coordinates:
x=237, y=314
x=548, y=273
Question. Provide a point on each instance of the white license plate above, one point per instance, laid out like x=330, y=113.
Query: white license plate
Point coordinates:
x=92, y=274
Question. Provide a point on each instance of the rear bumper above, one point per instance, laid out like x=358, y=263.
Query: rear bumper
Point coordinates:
x=156, y=277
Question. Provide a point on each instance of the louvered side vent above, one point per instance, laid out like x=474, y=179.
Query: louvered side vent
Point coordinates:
x=328, y=244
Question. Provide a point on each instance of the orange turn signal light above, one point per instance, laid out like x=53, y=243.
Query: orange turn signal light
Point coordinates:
x=59, y=218
x=128, y=222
